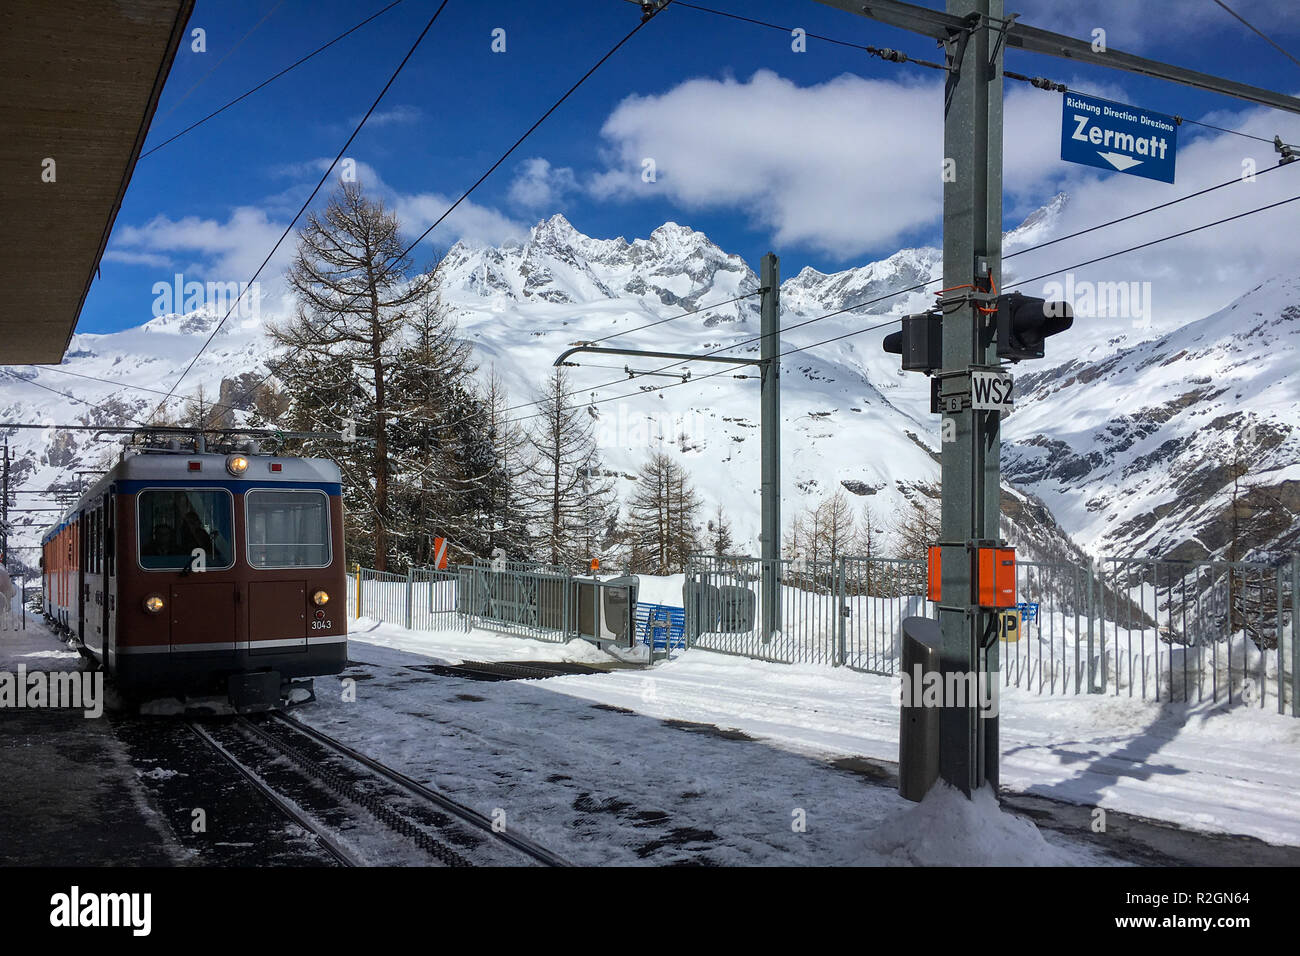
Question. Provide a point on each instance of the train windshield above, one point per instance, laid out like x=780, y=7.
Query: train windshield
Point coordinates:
x=175, y=522
x=288, y=529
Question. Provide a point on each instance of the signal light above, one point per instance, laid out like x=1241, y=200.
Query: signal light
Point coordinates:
x=320, y=598
x=153, y=604
x=1023, y=323
x=920, y=342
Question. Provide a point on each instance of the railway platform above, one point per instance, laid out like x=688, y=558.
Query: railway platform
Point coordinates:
x=70, y=796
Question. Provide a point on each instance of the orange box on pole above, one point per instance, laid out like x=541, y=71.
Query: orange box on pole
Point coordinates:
x=997, y=577
x=932, y=573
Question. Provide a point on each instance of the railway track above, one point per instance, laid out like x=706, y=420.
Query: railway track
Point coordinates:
x=294, y=766
x=320, y=833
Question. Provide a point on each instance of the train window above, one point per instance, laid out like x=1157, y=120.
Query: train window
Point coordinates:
x=110, y=539
x=287, y=529
x=173, y=522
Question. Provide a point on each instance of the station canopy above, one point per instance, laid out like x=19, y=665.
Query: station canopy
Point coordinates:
x=79, y=83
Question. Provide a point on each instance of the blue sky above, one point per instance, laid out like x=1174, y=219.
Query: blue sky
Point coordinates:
x=829, y=157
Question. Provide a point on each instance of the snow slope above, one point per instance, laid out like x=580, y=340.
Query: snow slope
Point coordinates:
x=1132, y=452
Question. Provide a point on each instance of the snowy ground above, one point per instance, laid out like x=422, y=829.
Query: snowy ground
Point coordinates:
x=1228, y=771
x=714, y=759
x=71, y=795
x=614, y=784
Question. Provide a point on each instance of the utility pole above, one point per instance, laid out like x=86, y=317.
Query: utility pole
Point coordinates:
x=971, y=457
x=975, y=35
x=769, y=365
x=4, y=529
x=770, y=441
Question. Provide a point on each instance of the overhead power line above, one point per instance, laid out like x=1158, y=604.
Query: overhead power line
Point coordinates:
x=846, y=309
x=289, y=228
x=270, y=79
x=916, y=287
x=1051, y=86
x=894, y=56
x=674, y=318
x=238, y=43
x=284, y=360
x=899, y=57
x=1258, y=32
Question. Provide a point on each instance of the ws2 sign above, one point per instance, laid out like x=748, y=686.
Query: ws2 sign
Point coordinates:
x=1109, y=135
x=990, y=392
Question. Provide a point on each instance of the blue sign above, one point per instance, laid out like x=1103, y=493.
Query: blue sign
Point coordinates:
x=1117, y=137
x=661, y=626
x=1028, y=612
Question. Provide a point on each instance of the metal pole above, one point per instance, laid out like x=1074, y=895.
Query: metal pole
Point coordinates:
x=770, y=427
x=972, y=234
x=410, y=594
x=1295, y=635
x=4, y=529
x=1091, y=611
x=841, y=612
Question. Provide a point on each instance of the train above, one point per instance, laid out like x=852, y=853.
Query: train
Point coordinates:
x=192, y=574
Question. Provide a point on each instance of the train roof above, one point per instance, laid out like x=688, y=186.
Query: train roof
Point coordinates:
x=176, y=466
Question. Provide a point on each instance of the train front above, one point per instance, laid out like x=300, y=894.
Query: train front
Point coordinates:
x=231, y=576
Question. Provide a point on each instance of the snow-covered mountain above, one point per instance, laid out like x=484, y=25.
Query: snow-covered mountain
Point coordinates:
x=1091, y=437
x=1137, y=452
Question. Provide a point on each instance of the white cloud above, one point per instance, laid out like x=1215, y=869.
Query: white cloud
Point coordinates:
x=154, y=259
x=395, y=116
x=416, y=211
x=228, y=251
x=539, y=185
x=851, y=168
x=843, y=167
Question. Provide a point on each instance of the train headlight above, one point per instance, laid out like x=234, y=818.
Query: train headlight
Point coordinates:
x=236, y=465
x=153, y=603
x=320, y=598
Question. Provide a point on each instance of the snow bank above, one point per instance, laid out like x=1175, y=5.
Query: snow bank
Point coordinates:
x=946, y=829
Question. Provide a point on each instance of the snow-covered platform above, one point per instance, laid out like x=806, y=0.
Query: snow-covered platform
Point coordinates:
x=70, y=796
x=709, y=758
x=702, y=759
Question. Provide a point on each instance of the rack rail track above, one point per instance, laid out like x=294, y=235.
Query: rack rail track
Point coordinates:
x=522, y=844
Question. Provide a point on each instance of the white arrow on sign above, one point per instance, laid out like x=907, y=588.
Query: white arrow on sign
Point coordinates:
x=1119, y=160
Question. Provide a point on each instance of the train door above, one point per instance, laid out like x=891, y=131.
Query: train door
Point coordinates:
x=94, y=595
x=110, y=575
x=78, y=587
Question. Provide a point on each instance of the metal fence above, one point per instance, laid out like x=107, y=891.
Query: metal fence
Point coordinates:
x=546, y=605
x=1155, y=629
x=844, y=612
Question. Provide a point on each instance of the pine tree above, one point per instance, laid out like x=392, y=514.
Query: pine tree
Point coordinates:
x=720, y=538
x=506, y=487
x=838, y=526
x=435, y=437
x=351, y=275
x=868, y=547
x=662, y=529
x=569, y=494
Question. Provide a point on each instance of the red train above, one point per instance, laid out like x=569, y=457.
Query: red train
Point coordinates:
x=188, y=574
